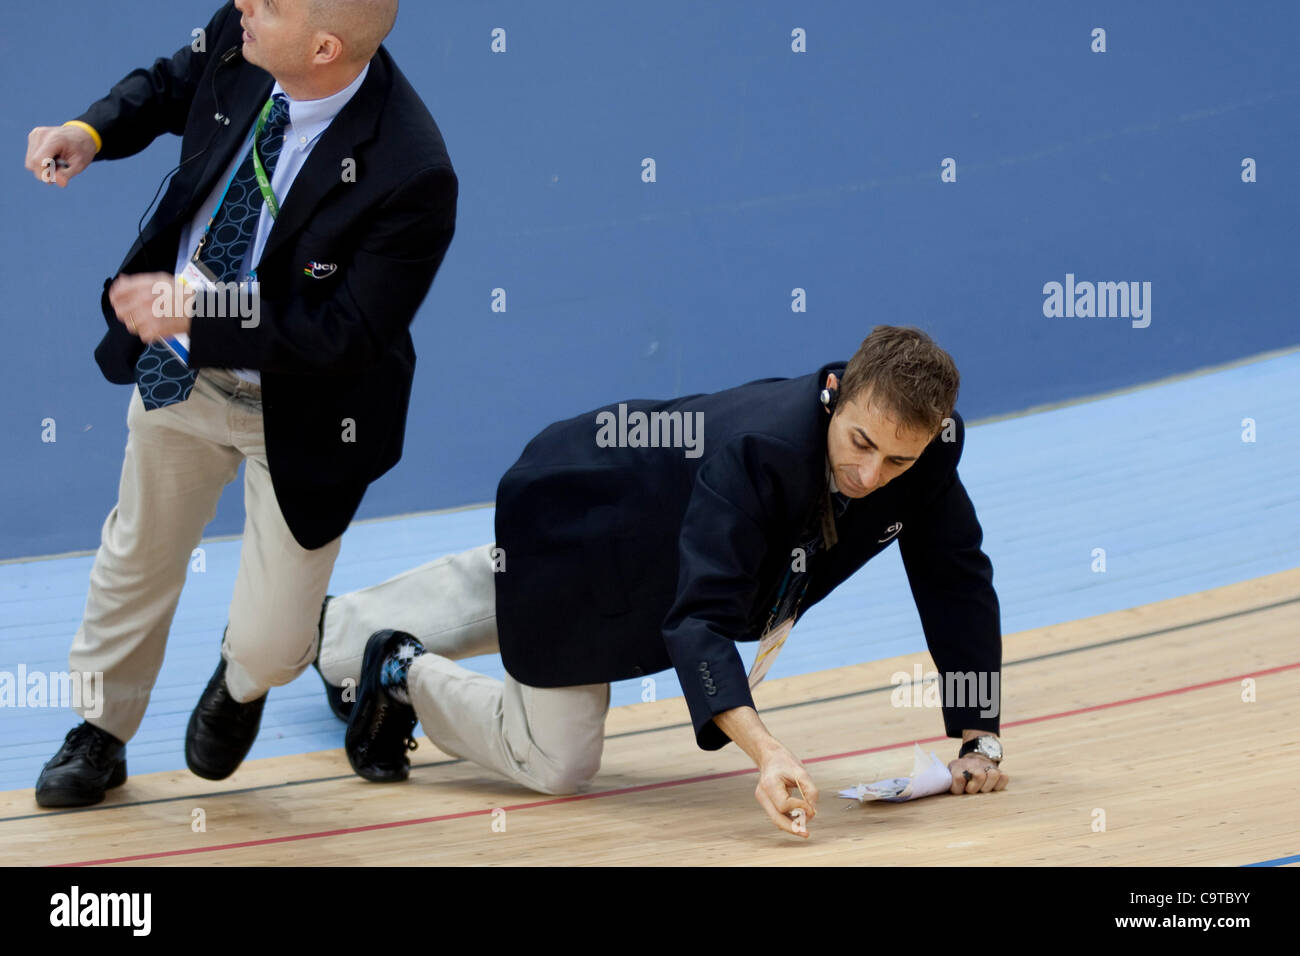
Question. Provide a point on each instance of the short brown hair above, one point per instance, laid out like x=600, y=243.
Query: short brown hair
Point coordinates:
x=907, y=374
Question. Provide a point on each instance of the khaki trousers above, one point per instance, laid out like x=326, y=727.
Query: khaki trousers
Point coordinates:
x=547, y=738
x=178, y=459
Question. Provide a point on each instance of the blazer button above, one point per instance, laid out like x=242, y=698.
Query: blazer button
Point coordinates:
x=704, y=666
x=637, y=672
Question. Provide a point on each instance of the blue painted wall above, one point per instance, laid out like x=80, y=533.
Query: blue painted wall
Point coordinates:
x=775, y=170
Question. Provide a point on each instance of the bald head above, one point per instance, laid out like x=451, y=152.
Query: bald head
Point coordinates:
x=314, y=48
x=361, y=25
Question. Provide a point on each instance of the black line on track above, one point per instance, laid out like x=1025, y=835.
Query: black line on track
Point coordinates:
x=654, y=730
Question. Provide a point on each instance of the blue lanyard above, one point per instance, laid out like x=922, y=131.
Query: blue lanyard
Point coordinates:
x=263, y=183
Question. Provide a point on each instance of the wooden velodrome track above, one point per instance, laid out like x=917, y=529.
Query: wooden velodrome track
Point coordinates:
x=1138, y=714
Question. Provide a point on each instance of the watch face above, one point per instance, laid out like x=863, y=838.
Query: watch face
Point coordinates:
x=990, y=748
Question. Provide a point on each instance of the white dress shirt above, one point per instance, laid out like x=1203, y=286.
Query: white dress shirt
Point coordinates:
x=308, y=119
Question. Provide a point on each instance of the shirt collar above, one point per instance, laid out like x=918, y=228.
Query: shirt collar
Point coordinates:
x=309, y=118
x=841, y=501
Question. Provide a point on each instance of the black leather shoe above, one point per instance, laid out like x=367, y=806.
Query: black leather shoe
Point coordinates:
x=379, y=730
x=342, y=709
x=221, y=730
x=90, y=762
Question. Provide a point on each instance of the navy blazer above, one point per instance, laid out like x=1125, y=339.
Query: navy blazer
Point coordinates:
x=329, y=349
x=625, y=561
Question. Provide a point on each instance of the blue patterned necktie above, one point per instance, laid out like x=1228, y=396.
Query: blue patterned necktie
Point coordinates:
x=163, y=378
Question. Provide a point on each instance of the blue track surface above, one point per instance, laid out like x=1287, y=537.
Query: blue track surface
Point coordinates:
x=775, y=170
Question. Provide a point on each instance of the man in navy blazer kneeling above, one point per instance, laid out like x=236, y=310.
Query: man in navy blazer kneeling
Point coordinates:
x=650, y=535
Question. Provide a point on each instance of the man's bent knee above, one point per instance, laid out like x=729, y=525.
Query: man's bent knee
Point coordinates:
x=566, y=776
x=270, y=659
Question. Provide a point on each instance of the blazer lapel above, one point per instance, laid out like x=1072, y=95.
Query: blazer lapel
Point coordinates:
x=243, y=96
x=323, y=171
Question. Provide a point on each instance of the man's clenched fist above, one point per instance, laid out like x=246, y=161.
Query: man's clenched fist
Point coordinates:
x=50, y=147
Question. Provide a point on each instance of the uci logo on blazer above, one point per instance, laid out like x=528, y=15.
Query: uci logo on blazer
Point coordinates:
x=891, y=532
x=319, y=270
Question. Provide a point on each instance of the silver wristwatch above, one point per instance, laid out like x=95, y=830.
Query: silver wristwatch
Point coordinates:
x=985, y=745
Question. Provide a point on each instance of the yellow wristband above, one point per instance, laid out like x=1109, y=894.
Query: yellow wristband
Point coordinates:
x=94, y=133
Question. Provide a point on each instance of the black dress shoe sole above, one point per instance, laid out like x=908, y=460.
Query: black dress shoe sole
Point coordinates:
x=206, y=771
x=86, y=796
x=197, y=766
x=363, y=711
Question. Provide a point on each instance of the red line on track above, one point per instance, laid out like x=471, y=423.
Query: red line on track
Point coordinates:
x=269, y=841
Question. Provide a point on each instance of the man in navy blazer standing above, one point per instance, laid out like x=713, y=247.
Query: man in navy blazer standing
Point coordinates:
x=650, y=535
x=263, y=316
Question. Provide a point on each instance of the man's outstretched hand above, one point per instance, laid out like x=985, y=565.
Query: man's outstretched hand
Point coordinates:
x=779, y=771
x=49, y=148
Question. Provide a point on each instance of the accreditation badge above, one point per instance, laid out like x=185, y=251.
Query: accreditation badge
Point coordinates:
x=195, y=276
x=769, y=645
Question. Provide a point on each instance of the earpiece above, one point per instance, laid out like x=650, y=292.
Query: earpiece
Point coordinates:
x=828, y=397
x=222, y=121
x=226, y=57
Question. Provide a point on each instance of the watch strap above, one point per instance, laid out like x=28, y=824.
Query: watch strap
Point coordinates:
x=971, y=746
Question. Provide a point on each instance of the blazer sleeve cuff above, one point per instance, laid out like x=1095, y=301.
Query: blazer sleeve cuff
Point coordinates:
x=710, y=690
x=957, y=719
x=94, y=133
